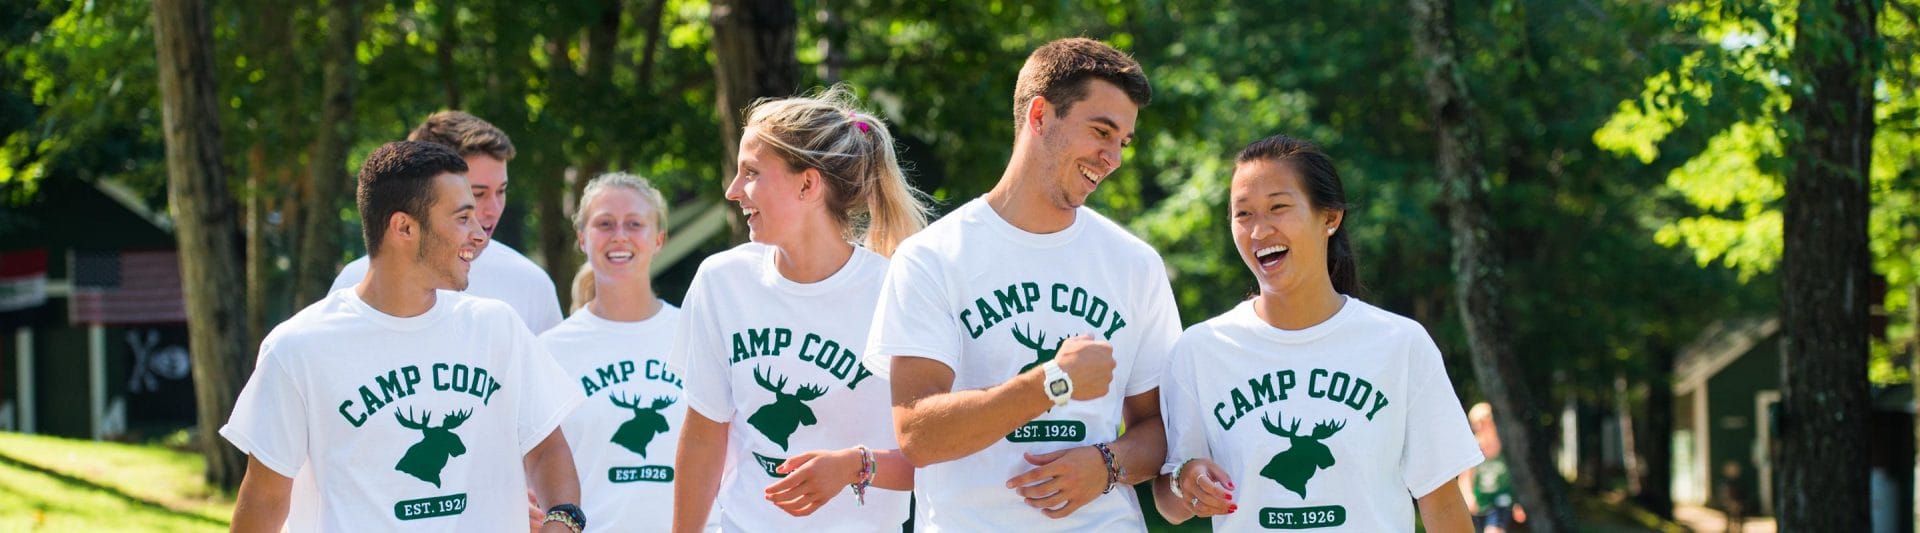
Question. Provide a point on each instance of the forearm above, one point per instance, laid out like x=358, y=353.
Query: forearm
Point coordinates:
x=697, y=465
x=1141, y=450
x=1170, y=506
x=896, y=473
x=550, y=472
x=947, y=426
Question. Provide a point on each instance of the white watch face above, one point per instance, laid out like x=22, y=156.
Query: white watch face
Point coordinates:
x=1057, y=387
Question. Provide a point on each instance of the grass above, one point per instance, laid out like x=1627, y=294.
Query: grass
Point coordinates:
x=56, y=484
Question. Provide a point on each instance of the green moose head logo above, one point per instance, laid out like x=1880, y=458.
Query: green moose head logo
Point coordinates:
x=647, y=422
x=1038, y=343
x=787, y=413
x=1307, y=455
x=426, y=458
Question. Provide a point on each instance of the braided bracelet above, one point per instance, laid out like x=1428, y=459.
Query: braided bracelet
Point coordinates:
x=868, y=470
x=1113, y=470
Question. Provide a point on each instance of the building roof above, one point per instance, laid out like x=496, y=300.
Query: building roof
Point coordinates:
x=1719, y=345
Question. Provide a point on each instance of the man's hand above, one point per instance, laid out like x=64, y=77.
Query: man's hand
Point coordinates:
x=1065, y=480
x=1089, y=363
x=813, y=479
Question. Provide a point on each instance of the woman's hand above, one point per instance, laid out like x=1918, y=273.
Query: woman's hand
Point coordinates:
x=1208, y=490
x=813, y=479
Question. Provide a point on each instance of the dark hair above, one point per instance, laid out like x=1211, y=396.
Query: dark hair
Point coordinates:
x=398, y=178
x=464, y=133
x=1324, y=193
x=1061, y=70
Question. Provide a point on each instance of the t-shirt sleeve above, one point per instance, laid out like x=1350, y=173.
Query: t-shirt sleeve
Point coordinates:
x=913, y=317
x=548, y=396
x=269, y=420
x=1439, y=443
x=1160, y=323
x=1181, y=409
x=350, y=274
x=543, y=305
x=700, y=355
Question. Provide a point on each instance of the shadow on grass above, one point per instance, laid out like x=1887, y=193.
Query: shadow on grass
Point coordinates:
x=114, y=491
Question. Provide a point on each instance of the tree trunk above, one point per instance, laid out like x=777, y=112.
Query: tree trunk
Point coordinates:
x=1477, y=275
x=257, y=253
x=1821, y=480
x=446, y=17
x=753, y=44
x=320, y=250
x=1629, y=453
x=206, y=227
x=1589, y=457
x=1653, y=438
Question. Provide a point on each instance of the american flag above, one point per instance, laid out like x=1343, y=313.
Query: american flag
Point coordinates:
x=126, y=287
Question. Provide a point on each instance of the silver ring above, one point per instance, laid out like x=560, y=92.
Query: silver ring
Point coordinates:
x=1195, y=502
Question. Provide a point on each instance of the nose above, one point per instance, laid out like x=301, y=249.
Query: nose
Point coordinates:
x=735, y=189
x=1260, y=230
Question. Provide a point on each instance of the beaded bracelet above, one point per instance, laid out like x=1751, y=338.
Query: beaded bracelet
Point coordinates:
x=868, y=470
x=1113, y=470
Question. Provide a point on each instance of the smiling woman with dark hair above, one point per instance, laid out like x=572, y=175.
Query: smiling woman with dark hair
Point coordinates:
x=1304, y=404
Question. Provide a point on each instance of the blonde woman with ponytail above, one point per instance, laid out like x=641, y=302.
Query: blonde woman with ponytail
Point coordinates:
x=773, y=329
x=615, y=348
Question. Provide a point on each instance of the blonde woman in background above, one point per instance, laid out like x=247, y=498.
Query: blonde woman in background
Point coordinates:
x=615, y=347
x=772, y=329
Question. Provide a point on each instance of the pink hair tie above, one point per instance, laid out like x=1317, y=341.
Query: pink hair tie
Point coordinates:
x=862, y=124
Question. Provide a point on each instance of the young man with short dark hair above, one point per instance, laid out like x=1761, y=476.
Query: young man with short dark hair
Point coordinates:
x=381, y=399
x=1021, y=331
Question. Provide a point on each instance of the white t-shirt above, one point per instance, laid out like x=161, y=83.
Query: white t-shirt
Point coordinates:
x=1336, y=426
x=390, y=421
x=624, y=436
x=777, y=361
x=500, y=273
x=990, y=301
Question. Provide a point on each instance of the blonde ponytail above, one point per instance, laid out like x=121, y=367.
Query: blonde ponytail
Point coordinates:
x=583, y=287
x=853, y=150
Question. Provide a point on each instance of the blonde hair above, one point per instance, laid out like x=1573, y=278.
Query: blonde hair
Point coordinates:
x=868, y=194
x=583, y=286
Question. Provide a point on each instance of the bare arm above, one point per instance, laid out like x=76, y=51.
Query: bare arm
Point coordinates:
x=1143, y=448
x=697, y=466
x=936, y=424
x=551, y=476
x=817, y=477
x=1445, y=511
x=261, y=505
x=1066, y=480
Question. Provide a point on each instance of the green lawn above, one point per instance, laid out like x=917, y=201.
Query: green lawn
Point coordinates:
x=55, y=484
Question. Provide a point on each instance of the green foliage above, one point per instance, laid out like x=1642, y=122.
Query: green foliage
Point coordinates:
x=1725, y=104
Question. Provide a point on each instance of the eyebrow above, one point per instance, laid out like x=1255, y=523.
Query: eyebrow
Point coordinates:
x=1243, y=198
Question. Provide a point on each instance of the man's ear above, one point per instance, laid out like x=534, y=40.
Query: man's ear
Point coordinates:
x=403, y=226
x=1036, y=114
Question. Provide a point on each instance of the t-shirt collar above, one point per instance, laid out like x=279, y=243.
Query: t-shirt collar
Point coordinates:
x=1245, y=316
x=770, y=274
x=441, y=301
x=984, y=214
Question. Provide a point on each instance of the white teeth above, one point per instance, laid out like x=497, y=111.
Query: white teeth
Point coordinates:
x=1089, y=174
x=1269, y=250
x=466, y=256
x=620, y=256
x=748, y=211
